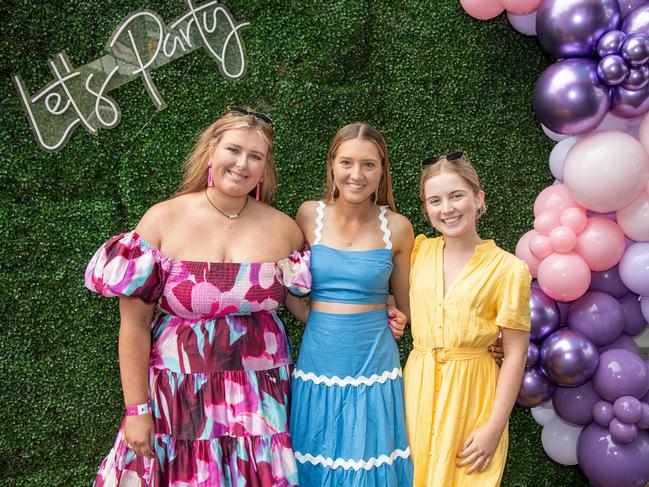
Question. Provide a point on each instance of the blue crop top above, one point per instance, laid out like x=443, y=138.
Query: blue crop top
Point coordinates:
x=350, y=276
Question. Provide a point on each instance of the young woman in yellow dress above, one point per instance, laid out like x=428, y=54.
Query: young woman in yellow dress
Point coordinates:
x=464, y=292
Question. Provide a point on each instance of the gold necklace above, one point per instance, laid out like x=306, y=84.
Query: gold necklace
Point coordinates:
x=231, y=217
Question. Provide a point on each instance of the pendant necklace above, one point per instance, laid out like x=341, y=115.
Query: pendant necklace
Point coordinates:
x=234, y=216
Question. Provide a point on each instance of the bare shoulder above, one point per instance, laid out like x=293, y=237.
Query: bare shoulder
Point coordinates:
x=403, y=235
x=306, y=215
x=281, y=224
x=161, y=217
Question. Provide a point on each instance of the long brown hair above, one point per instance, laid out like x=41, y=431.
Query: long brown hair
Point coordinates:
x=364, y=131
x=195, y=166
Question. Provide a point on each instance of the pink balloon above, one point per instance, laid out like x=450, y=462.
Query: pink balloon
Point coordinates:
x=540, y=246
x=546, y=221
x=564, y=277
x=601, y=244
x=482, y=9
x=606, y=171
x=520, y=6
x=634, y=219
x=574, y=218
x=555, y=197
x=523, y=252
x=563, y=239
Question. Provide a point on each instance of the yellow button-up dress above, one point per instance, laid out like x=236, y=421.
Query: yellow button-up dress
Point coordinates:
x=450, y=377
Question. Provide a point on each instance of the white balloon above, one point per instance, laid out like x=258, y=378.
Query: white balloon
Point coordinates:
x=559, y=441
x=553, y=135
x=525, y=24
x=558, y=156
x=543, y=413
x=611, y=122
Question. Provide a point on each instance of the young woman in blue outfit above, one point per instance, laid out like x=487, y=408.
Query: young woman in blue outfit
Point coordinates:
x=347, y=412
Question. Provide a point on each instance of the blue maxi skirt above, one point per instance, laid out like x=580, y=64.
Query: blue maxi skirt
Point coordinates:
x=347, y=414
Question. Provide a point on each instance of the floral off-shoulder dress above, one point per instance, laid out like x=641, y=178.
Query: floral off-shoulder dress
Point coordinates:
x=220, y=367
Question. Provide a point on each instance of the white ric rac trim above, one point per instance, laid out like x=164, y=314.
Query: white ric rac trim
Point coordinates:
x=353, y=381
x=356, y=465
x=318, y=222
x=384, y=226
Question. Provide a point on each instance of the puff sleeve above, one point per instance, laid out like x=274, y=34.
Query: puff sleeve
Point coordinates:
x=296, y=274
x=127, y=265
x=514, y=297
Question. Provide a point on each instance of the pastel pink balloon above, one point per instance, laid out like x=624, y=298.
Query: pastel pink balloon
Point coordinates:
x=606, y=171
x=540, y=246
x=563, y=239
x=574, y=218
x=546, y=221
x=601, y=243
x=634, y=219
x=520, y=6
x=555, y=197
x=482, y=9
x=564, y=277
x=523, y=252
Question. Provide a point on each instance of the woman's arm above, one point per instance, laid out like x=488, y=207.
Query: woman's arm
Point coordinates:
x=479, y=447
x=299, y=307
x=134, y=356
x=403, y=241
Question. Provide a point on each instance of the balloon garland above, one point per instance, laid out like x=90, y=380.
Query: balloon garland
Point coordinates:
x=584, y=380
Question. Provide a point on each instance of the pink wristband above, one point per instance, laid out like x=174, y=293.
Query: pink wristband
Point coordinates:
x=138, y=410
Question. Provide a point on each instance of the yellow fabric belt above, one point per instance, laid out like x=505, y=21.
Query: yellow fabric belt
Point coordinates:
x=441, y=354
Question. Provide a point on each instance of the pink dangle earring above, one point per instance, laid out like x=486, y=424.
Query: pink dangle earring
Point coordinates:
x=258, y=192
x=210, y=181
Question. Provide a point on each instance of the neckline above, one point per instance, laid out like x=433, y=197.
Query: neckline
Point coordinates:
x=346, y=250
x=477, y=251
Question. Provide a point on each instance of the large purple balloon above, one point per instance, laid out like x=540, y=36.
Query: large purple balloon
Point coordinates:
x=628, y=103
x=628, y=6
x=597, y=316
x=535, y=388
x=608, y=282
x=575, y=404
x=544, y=315
x=623, y=341
x=569, y=98
x=634, y=268
x=568, y=358
x=634, y=322
x=563, y=311
x=637, y=22
x=609, y=464
x=620, y=373
x=571, y=28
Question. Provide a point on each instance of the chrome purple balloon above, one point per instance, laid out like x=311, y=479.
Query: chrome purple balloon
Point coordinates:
x=603, y=413
x=637, y=22
x=637, y=78
x=532, y=355
x=612, y=69
x=620, y=373
x=575, y=404
x=535, y=388
x=569, y=98
x=610, y=464
x=610, y=43
x=628, y=6
x=622, y=432
x=568, y=358
x=544, y=313
x=571, y=28
x=635, y=49
x=608, y=282
x=597, y=316
x=629, y=104
x=628, y=409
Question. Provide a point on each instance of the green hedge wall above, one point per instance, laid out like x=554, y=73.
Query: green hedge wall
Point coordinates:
x=431, y=78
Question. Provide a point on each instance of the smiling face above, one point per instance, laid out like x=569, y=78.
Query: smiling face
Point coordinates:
x=238, y=161
x=451, y=204
x=357, y=170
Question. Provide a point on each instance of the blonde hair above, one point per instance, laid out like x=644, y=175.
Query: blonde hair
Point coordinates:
x=463, y=168
x=195, y=166
x=364, y=131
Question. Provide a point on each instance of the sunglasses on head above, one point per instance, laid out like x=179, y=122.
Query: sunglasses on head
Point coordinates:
x=453, y=156
x=241, y=111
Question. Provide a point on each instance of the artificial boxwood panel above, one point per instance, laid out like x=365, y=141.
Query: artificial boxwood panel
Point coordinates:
x=431, y=78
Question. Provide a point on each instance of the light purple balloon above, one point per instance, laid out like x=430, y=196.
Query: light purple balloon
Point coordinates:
x=623, y=341
x=634, y=268
x=532, y=355
x=575, y=404
x=628, y=6
x=629, y=104
x=603, y=413
x=544, y=314
x=634, y=321
x=620, y=373
x=628, y=409
x=643, y=424
x=612, y=69
x=637, y=78
x=525, y=24
x=637, y=22
x=571, y=28
x=535, y=388
x=568, y=358
x=622, y=432
x=608, y=282
x=610, y=43
x=569, y=98
x=610, y=464
x=644, y=306
x=598, y=316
